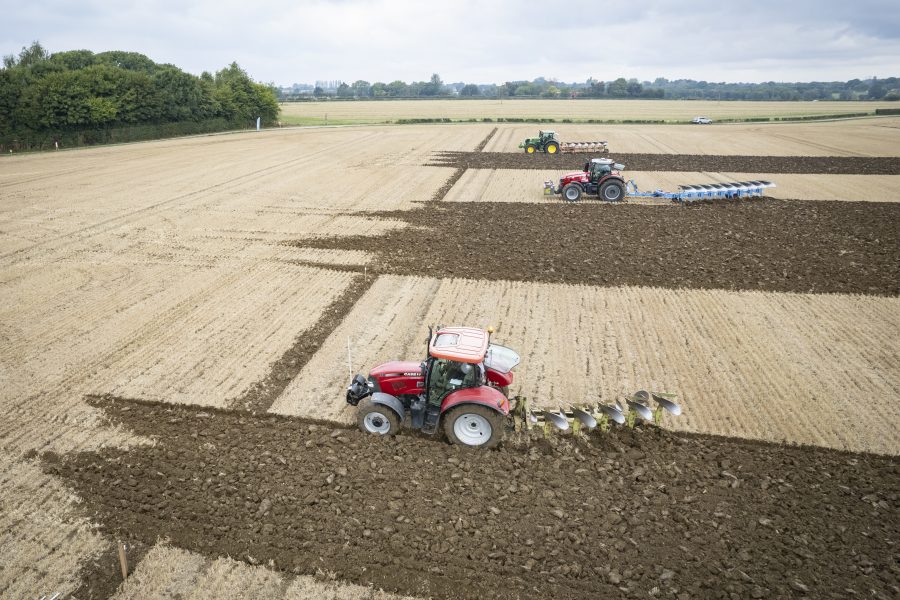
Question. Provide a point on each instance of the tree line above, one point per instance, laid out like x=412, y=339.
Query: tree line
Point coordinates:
x=679, y=89
x=82, y=97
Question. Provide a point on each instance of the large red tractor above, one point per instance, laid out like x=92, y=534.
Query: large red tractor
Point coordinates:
x=463, y=383
x=601, y=176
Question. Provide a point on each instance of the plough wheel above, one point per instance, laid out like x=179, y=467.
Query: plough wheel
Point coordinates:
x=474, y=426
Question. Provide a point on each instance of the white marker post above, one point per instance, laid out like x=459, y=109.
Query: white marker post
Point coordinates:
x=258, y=123
x=349, y=359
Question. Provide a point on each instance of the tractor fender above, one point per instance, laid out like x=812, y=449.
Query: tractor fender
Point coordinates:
x=391, y=402
x=499, y=379
x=610, y=177
x=484, y=395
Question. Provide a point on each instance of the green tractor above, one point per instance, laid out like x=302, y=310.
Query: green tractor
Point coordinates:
x=545, y=142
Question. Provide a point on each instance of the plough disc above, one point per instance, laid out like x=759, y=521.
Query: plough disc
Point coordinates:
x=573, y=147
x=559, y=419
x=598, y=416
x=704, y=191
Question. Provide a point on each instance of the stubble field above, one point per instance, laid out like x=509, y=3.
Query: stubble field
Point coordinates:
x=223, y=276
x=318, y=113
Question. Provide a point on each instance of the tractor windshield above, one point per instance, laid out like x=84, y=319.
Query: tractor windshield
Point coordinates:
x=501, y=358
x=599, y=170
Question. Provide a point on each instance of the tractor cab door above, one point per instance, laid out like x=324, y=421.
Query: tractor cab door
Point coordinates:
x=598, y=171
x=447, y=376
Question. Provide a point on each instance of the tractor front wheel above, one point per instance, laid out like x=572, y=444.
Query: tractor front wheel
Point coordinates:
x=474, y=426
x=551, y=148
x=572, y=192
x=530, y=149
x=377, y=418
x=612, y=191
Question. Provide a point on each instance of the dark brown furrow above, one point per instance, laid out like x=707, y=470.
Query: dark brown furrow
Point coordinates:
x=858, y=165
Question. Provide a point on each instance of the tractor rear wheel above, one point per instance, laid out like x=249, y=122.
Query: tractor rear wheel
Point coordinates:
x=551, y=148
x=377, y=418
x=572, y=192
x=530, y=149
x=473, y=426
x=612, y=191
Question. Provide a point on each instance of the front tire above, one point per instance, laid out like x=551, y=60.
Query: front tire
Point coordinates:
x=551, y=148
x=530, y=149
x=572, y=192
x=612, y=191
x=473, y=426
x=377, y=418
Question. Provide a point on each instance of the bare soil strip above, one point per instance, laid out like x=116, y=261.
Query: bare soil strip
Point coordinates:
x=860, y=165
x=264, y=392
x=628, y=513
x=766, y=245
x=486, y=140
x=460, y=170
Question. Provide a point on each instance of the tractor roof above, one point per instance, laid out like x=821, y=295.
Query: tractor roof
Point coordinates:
x=462, y=344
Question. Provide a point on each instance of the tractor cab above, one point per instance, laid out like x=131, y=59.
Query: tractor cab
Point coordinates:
x=455, y=361
x=546, y=136
x=463, y=357
x=598, y=168
x=463, y=383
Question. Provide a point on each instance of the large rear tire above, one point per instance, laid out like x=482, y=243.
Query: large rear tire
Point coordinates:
x=551, y=148
x=572, y=192
x=612, y=191
x=377, y=418
x=473, y=426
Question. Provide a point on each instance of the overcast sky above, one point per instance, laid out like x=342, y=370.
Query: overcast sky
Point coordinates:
x=480, y=41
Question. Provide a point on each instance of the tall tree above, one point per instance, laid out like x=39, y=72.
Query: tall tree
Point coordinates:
x=361, y=89
x=470, y=90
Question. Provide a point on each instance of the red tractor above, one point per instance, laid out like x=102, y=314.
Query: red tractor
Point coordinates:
x=463, y=383
x=600, y=176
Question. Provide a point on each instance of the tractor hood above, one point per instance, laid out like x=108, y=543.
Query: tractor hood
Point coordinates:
x=397, y=368
x=579, y=176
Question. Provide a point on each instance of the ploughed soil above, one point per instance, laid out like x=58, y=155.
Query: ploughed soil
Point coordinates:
x=637, y=513
x=848, y=165
x=763, y=244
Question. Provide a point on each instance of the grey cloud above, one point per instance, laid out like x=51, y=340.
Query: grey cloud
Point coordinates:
x=482, y=41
